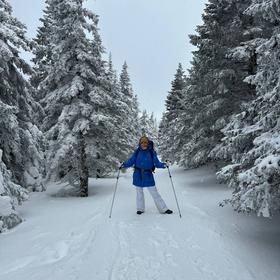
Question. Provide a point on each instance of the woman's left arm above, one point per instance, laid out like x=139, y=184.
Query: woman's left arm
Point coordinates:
x=157, y=163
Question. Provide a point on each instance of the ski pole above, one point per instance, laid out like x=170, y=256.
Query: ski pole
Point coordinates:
x=174, y=191
x=114, y=192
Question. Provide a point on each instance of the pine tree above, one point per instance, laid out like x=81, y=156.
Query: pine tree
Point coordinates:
x=153, y=129
x=215, y=89
x=20, y=138
x=135, y=117
x=11, y=195
x=149, y=127
x=252, y=136
x=42, y=51
x=119, y=147
x=79, y=123
x=144, y=123
x=131, y=122
x=168, y=127
x=124, y=107
x=183, y=141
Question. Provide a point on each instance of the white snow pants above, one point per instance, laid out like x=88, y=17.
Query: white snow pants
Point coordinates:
x=140, y=201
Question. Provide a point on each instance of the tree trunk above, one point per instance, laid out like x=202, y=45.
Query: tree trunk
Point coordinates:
x=83, y=168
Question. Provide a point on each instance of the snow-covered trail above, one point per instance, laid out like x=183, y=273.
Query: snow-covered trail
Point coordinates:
x=73, y=238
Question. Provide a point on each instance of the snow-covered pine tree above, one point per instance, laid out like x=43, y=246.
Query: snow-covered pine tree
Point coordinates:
x=119, y=147
x=144, y=123
x=162, y=137
x=153, y=129
x=168, y=126
x=149, y=127
x=20, y=138
x=244, y=59
x=131, y=122
x=11, y=195
x=79, y=124
x=183, y=141
x=215, y=87
x=252, y=137
x=135, y=116
x=41, y=48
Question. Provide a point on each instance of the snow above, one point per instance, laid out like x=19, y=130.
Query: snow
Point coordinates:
x=73, y=238
x=5, y=52
x=5, y=205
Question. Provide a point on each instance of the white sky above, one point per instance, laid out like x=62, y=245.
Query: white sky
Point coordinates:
x=151, y=35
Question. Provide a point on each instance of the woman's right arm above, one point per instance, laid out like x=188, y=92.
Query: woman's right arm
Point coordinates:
x=130, y=162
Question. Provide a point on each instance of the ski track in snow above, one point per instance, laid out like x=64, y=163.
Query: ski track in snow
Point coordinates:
x=130, y=265
x=76, y=240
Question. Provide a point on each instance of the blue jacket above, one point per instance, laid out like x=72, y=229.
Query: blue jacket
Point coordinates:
x=143, y=176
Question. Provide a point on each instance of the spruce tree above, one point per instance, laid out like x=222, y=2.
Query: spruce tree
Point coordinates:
x=144, y=123
x=20, y=138
x=11, y=195
x=78, y=124
x=215, y=89
x=131, y=122
x=135, y=117
x=119, y=146
x=149, y=127
x=252, y=136
x=153, y=126
x=168, y=127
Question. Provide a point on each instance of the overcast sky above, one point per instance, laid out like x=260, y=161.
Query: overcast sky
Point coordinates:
x=151, y=35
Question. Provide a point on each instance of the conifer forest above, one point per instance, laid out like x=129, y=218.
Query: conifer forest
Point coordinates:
x=70, y=119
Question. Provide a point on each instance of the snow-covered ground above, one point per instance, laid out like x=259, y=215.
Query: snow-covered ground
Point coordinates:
x=73, y=238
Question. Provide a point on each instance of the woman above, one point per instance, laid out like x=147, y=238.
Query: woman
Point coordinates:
x=144, y=159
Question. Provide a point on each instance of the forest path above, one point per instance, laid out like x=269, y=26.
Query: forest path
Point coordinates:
x=73, y=238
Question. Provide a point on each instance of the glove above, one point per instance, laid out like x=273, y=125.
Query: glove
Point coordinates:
x=166, y=164
x=121, y=166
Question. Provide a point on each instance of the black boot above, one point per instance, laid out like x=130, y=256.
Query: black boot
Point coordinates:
x=139, y=212
x=168, y=211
